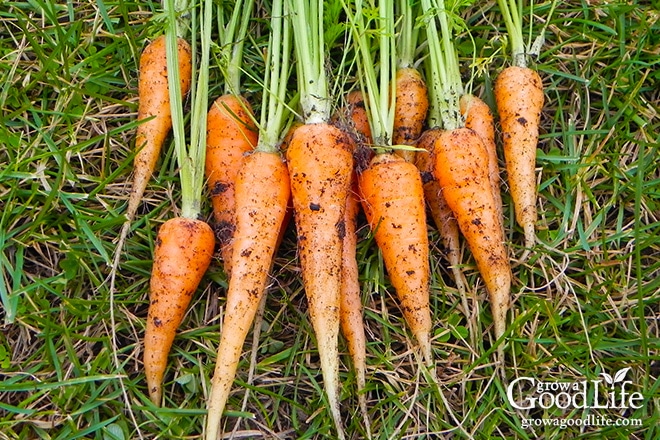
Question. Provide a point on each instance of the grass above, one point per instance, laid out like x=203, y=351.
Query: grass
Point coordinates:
x=587, y=302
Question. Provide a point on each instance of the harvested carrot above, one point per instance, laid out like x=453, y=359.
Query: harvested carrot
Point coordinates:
x=320, y=162
x=351, y=317
x=479, y=118
x=184, y=245
x=442, y=215
x=154, y=102
x=183, y=252
x=461, y=167
x=262, y=195
x=411, y=94
x=230, y=134
x=412, y=105
x=519, y=98
x=393, y=201
x=459, y=155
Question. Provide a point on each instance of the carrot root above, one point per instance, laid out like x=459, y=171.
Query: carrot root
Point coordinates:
x=262, y=195
x=459, y=155
x=393, y=202
x=184, y=248
x=519, y=97
x=230, y=135
x=320, y=162
x=411, y=107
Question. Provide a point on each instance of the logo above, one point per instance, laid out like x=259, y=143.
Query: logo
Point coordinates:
x=608, y=392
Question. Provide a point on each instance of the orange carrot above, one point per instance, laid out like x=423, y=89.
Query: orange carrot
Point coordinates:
x=320, y=162
x=519, y=98
x=442, y=215
x=154, y=102
x=351, y=318
x=230, y=134
x=184, y=248
x=412, y=105
x=393, y=201
x=262, y=194
x=479, y=118
x=459, y=155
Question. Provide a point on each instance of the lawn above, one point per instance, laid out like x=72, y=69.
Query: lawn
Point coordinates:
x=586, y=303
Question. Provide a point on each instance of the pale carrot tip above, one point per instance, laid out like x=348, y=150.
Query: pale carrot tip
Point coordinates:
x=530, y=241
x=156, y=395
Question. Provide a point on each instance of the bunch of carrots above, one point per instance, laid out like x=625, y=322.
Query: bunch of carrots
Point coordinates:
x=430, y=147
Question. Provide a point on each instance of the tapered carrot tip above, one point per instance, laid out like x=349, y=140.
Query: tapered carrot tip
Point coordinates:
x=183, y=252
x=519, y=97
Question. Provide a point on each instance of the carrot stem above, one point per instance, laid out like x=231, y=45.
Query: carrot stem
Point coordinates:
x=232, y=39
x=512, y=15
x=273, y=106
x=310, y=53
x=189, y=159
x=380, y=89
x=445, y=88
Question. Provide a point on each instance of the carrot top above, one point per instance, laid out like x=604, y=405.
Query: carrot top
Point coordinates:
x=273, y=105
x=379, y=87
x=513, y=21
x=190, y=159
x=307, y=20
x=445, y=86
x=232, y=39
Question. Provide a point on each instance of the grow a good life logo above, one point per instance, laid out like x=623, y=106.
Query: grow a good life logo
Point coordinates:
x=609, y=392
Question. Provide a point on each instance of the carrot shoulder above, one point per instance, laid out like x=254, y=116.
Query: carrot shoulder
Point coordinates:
x=459, y=155
x=519, y=98
x=230, y=135
x=411, y=108
x=184, y=248
x=393, y=202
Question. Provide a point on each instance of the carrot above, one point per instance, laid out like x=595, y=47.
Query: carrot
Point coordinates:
x=390, y=187
x=262, y=194
x=442, y=215
x=231, y=131
x=412, y=104
x=519, y=98
x=320, y=162
x=479, y=118
x=393, y=202
x=459, y=154
x=351, y=318
x=183, y=252
x=184, y=245
x=154, y=102
x=230, y=134
x=461, y=166
x=411, y=94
